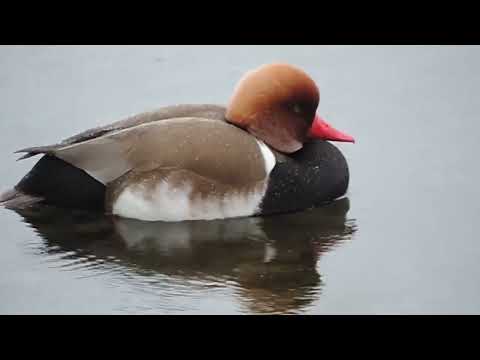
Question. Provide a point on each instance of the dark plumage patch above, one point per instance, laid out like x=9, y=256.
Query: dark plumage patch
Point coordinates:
x=63, y=185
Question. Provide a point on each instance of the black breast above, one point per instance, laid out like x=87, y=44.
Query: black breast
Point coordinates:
x=316, y=174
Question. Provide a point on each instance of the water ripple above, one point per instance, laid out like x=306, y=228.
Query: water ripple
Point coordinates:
x=268, y=265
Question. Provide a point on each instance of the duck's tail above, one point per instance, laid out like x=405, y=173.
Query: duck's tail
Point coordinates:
x=15, y=199
x=53, y=181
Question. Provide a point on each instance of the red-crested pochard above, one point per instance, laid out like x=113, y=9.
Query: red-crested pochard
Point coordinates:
x=265, y=153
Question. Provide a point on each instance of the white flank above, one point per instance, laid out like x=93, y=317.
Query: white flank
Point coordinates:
x=167, y=203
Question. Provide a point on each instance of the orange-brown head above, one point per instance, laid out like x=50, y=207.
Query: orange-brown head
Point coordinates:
x=277, y=103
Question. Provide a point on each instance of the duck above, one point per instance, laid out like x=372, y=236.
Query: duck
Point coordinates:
x=266, y=152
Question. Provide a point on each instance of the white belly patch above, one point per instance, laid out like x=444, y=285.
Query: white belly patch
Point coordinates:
x=168, y=203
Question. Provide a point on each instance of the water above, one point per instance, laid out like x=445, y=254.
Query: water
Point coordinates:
x=403, y=242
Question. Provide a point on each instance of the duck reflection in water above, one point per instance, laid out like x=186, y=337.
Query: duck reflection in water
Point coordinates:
x=271, y=261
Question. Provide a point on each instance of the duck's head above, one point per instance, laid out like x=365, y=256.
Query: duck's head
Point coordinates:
x=277, y=103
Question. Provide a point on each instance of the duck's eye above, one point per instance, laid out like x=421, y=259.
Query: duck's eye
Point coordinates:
x=297, y=109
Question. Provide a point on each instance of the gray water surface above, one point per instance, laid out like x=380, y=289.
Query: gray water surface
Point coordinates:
x=404, y=241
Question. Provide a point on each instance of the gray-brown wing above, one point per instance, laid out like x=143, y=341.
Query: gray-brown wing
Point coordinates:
x=208, y=111
x=216, y=150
